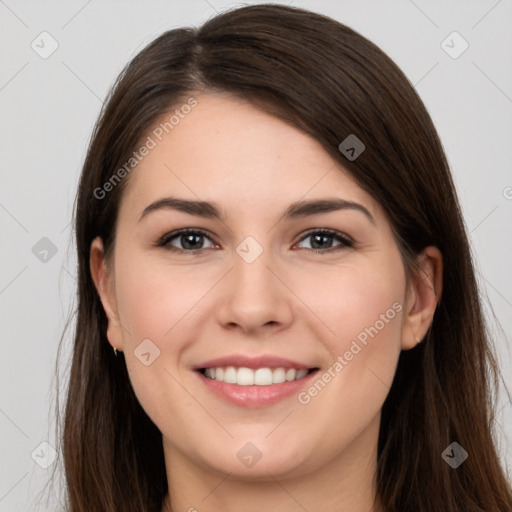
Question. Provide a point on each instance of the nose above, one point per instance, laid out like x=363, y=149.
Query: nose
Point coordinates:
x=254, y=297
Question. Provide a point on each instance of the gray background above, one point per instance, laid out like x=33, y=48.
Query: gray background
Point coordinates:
x=48, y=107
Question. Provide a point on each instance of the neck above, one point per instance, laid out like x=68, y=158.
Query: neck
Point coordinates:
x=345, y=482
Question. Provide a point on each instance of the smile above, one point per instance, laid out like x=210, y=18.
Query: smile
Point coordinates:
x=258, y=377
x=254, y=382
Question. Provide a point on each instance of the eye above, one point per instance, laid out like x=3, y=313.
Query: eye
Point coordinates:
x=321, y=239
x=191, y=240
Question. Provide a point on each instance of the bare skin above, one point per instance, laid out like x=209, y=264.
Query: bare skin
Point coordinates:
x=316, y=454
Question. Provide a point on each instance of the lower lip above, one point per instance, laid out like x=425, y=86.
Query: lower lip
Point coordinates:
x=255, y=396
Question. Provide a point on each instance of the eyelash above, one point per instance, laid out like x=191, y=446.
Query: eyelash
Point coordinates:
x=346, y=242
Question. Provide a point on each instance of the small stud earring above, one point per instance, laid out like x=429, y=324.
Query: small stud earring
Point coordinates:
x=418, y=341
x=115, y=351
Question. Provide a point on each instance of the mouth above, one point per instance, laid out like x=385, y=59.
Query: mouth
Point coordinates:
x=254, y=382
x=243, y=376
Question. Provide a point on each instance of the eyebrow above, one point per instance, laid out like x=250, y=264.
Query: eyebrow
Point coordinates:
x=296, y=210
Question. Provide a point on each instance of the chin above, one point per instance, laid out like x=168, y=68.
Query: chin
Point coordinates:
x=256, y=460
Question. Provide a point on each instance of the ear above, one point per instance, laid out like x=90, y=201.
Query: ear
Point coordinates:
x=104, y=281
x=423, y=294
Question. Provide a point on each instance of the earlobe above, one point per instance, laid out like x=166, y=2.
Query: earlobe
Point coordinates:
x=103, y=279
x=424, y=293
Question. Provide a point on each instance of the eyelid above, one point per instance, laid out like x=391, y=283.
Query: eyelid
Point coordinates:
x=331, y=232
x=346, y=242
x=165, y=239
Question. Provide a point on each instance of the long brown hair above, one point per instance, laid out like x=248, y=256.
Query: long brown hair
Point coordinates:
x=330, y=82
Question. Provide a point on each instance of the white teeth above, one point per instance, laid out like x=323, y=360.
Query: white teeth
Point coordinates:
x=244, y=377
x=290, y=374
x=229, y=375
x=263, y=377
x=249, y=377
x=278, y=376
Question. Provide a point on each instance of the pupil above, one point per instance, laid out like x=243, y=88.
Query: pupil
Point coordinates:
x=323, y=238
x=188, y=240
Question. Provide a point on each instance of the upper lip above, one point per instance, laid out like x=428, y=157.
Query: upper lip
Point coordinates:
x=263, y=361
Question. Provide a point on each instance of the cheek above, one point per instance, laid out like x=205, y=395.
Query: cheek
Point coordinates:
x=156, y=303
x=365, y=318
x=354, y=299
x=155, y=299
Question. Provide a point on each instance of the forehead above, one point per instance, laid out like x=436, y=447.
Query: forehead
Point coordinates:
x=228, y=151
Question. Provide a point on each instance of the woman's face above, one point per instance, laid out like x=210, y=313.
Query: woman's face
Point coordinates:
x=255, y=296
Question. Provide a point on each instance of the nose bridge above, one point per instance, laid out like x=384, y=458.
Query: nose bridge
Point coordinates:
x=251, y=273
x=254, y=296
x=252, y=279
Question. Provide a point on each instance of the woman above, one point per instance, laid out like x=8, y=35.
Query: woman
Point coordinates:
x=277, y=302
